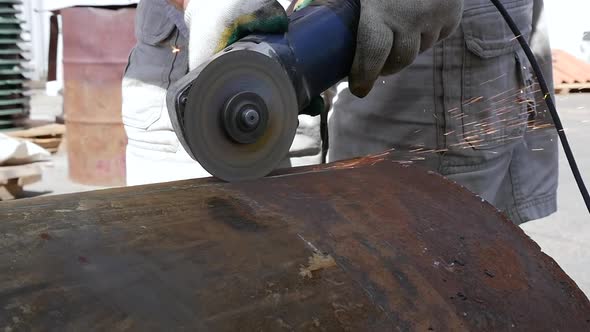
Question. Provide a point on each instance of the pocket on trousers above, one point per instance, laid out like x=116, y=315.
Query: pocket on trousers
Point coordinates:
x=496, y=84
x=152, y=25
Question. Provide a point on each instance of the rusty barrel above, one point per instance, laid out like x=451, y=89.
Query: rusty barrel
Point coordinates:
x=96, y=43
x=366, y=245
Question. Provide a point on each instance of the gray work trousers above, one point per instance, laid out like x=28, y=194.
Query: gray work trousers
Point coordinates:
x=468, y=109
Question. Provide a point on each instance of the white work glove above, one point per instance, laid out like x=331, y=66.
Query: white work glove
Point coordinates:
x=215, y=24
x=392, y=33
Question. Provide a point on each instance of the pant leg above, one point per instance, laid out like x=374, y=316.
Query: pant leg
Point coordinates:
x=159, y=58
x=462, y=109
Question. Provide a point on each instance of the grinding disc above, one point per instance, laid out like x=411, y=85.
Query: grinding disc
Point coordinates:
x=218, y=82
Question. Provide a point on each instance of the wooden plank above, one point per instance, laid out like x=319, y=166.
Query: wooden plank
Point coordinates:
x=366, y=245
x=19, y=171
x=48, y=143
x=46, y=130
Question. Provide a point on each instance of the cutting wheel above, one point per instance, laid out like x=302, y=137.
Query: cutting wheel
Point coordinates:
x=254, y=90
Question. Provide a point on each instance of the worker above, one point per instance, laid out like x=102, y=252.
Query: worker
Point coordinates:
x=461, y=108
x=164, y=53
x=468, y=109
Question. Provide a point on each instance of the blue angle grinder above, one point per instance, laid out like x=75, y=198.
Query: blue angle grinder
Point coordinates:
x=237, y=113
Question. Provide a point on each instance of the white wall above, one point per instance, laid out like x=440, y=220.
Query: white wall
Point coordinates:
x=37, y=23
x=568, y=20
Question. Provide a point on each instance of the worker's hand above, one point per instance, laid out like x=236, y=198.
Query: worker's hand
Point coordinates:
x=392, y=33
x=215, y=24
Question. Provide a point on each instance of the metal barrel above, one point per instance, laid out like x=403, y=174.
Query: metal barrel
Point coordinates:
x=362, y=245
x=97, y=43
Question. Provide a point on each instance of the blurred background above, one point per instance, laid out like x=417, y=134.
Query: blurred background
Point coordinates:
x=61, y=63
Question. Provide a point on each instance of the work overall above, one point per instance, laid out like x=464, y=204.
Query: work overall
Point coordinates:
x=432, y=113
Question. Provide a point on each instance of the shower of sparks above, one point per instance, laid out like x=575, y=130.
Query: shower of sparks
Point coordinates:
x=486, y=121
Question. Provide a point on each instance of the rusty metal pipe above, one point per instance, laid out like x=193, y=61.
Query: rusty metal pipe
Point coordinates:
x=362, y=245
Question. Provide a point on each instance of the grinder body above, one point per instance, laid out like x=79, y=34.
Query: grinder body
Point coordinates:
x=237, y=113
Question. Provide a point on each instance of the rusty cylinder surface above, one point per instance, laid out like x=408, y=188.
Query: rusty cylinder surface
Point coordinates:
x=366, y=245
x=97, y=43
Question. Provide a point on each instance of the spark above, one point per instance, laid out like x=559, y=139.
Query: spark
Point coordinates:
x=526, y=101
x=440, y=150
x=500, y=94
x=493, y=79
x=540, y=149
x=543, y=126
x=425, y=151
x=175, y=49
x=450, y=132
x=473, y=100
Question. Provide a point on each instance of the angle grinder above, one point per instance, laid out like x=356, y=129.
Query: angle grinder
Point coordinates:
x=236, y=114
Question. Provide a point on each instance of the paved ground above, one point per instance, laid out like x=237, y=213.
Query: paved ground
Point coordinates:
x=565, y=236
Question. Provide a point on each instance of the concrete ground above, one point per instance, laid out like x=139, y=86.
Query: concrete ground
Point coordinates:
x=565, y=236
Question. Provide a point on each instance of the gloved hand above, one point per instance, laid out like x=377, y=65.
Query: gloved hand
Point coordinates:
x=215, y=24
x=392, y=33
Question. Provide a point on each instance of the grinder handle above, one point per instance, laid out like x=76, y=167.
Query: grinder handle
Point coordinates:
x=322, y=38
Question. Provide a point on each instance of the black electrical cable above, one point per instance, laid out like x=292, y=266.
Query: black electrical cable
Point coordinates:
x=548, y=100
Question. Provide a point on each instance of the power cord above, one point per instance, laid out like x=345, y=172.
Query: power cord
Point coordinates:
x=548, y=100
